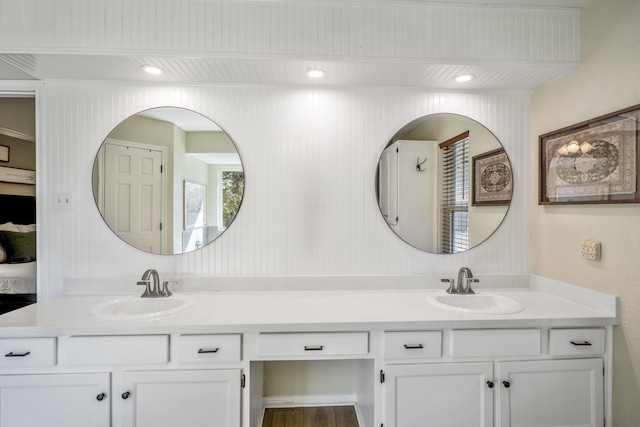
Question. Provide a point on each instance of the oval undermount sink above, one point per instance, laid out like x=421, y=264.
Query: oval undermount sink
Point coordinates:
x=479, y=303
x=135, y=307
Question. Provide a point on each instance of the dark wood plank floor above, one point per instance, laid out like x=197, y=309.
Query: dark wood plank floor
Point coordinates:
x=320, y=416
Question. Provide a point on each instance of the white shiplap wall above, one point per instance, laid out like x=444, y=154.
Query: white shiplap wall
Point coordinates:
x=309, y=153
x=327, y=29
x=310, y=157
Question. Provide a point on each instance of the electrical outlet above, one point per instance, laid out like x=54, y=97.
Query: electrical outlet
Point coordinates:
x=62, y=201
x=591, y=250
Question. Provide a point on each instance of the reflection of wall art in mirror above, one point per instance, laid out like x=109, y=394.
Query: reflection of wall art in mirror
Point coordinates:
x=429, y=207
x=18, y=176
x=492, y=179
x=195, y=202
x=144, y=177
x=594, y=161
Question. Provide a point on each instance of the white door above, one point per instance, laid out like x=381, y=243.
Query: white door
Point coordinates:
x=196, y=398
x=439, y=395
x=133, y=195
x=55, y=400
x=388, y=184
x=566, y=393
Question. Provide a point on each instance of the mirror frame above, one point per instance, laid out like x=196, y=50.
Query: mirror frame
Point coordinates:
x=406, y=132
x=98, y=193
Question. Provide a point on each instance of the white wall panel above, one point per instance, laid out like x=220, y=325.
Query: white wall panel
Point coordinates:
x=310, y=157
x=316, y=28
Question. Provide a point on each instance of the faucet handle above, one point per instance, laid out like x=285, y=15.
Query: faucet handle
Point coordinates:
x=165, y=292
x=147, y=289
x=452, y=285
x=469, y=281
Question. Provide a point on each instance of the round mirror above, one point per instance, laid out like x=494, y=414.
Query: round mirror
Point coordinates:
x=168, y=180
x=444, y=183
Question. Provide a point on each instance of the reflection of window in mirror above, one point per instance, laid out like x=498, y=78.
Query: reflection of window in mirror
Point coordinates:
x=230, y=191
x=455, y=194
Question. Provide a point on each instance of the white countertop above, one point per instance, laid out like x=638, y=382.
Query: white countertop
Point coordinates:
x=547, y=303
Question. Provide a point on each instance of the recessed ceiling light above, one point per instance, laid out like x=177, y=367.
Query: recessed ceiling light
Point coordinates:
x=151, y=69
x=315, y=73
x=464, y=77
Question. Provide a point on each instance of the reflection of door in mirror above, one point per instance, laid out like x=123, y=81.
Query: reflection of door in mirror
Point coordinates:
x=133, y=189
x=408, y=191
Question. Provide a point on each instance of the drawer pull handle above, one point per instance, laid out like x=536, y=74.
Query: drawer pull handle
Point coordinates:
x=490, y=384
x=101, y=397
x=126, y=395
x=580, y=343
x=12, y=354
x=313, y=347
x=211, y=350
x=506, y=384
x=413, y=346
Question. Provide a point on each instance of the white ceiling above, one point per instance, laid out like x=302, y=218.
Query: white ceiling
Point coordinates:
x=394, y=72
x=286, y=67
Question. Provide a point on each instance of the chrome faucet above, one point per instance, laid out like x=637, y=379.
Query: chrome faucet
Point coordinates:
x=156, y=291
x=463, y=285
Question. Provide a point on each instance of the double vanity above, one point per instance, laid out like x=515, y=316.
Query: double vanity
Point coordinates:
x=538, y=353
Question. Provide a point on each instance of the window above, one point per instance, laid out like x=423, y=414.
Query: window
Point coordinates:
x=455, y=194
x=230, y=191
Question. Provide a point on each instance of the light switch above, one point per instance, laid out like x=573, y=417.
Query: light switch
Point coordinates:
x=591, y=250
x=62, y=201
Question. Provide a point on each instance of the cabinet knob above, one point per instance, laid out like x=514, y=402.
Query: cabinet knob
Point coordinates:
x=490, y=384
x=126, y=395
x=101, y=397
x=506, y=384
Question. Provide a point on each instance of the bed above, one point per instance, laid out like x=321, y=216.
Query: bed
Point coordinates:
x=17, y=253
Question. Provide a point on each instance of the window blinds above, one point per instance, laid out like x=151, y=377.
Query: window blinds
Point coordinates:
x=455, y=196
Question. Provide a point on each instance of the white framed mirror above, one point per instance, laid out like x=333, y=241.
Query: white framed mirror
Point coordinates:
x=168, y=180
x=444, y=183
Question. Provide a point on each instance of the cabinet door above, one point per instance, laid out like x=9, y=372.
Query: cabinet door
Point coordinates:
x=439, y=395
x=55, y=400
x=195, y=398
x=551, y=393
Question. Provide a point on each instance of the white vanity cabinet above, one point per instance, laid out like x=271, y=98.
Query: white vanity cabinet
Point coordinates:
x=194, y=398
x=551, y=393
x=439, y=394
x=397, y=362
x=152, y=380
x=533, y=377
x=55, y=400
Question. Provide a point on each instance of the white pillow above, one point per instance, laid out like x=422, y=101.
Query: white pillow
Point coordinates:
x=25, y=228
x=8, y=226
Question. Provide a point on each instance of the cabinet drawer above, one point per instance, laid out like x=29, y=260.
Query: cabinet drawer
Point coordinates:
x=495, y=342
x=209, y=348
x=410, y=345
x=574, y=342
x=18, y=352
x=313, y=344
x=118, y=350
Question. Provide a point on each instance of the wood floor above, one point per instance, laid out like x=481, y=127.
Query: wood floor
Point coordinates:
x=321, y=416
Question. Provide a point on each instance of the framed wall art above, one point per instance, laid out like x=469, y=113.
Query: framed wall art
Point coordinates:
x=195, y=204
x=4, y=153
x=492, y=179
x=17, y=176
x=595, y=161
